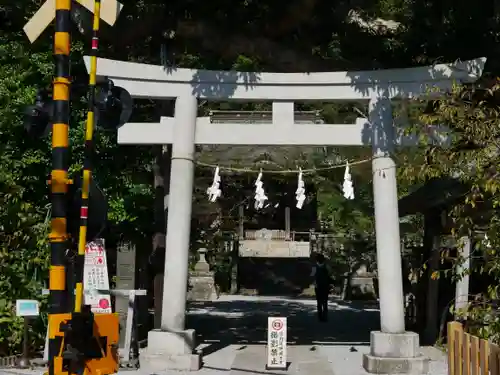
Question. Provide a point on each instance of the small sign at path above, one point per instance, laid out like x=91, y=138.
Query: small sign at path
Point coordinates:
x=276, y=343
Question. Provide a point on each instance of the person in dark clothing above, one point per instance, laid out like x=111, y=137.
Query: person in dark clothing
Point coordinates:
x=323, y=282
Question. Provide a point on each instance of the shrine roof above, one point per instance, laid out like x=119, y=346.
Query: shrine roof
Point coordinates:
x=436, y=192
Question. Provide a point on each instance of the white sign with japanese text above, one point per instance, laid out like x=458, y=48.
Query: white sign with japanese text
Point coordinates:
x=95, y=276
x=276, y=343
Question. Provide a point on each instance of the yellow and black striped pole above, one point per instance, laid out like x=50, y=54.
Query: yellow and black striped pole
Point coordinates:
x=87, y=166
x=58, y=298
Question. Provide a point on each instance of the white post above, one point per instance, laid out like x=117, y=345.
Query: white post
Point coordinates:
x=179, y=215
x=462, y=287
x=287, y=224
x=385, y=197
x=283, y=113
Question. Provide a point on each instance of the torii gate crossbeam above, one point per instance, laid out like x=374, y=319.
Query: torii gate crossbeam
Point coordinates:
x=207, y=133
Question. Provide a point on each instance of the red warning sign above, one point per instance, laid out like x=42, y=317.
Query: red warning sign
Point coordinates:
x=277, y=324
x=103, y=303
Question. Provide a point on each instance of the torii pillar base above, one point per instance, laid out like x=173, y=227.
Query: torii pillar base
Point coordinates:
x=168, y=351
x=395, y=353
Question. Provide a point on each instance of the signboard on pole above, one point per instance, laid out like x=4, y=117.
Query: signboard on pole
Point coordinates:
x=27, y=307
x=95, y=277
x=276, y=343
x=46, y=13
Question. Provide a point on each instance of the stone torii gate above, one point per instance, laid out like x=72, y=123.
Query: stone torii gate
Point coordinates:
x=392, y=349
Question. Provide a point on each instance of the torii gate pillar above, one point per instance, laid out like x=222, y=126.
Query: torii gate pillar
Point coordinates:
x=392, y=350
x=179, y=216
x=385, y=197
x=172, y=346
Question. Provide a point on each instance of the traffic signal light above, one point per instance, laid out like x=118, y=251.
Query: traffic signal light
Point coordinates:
x=112, y=107
x=97, y=208
x=37, y=117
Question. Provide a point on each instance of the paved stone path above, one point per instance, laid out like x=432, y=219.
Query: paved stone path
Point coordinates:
x=233, y=329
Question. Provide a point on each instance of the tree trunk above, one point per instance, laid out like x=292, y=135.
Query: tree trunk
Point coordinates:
x=161, y=171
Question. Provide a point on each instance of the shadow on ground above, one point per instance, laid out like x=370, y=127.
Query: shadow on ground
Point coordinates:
x=244, y=322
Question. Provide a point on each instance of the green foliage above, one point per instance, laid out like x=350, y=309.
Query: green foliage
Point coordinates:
x=24, y=206
x=24, y=169
x=472, y=115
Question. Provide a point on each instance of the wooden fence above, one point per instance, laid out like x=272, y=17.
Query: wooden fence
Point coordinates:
x=470, y=355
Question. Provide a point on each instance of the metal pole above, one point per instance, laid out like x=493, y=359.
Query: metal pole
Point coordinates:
x=24, y=361
x=87, y=166
x=59, y=178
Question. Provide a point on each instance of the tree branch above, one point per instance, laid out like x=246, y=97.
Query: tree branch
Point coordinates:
x=297, y=13
x=230, y=46
x=227, y=46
